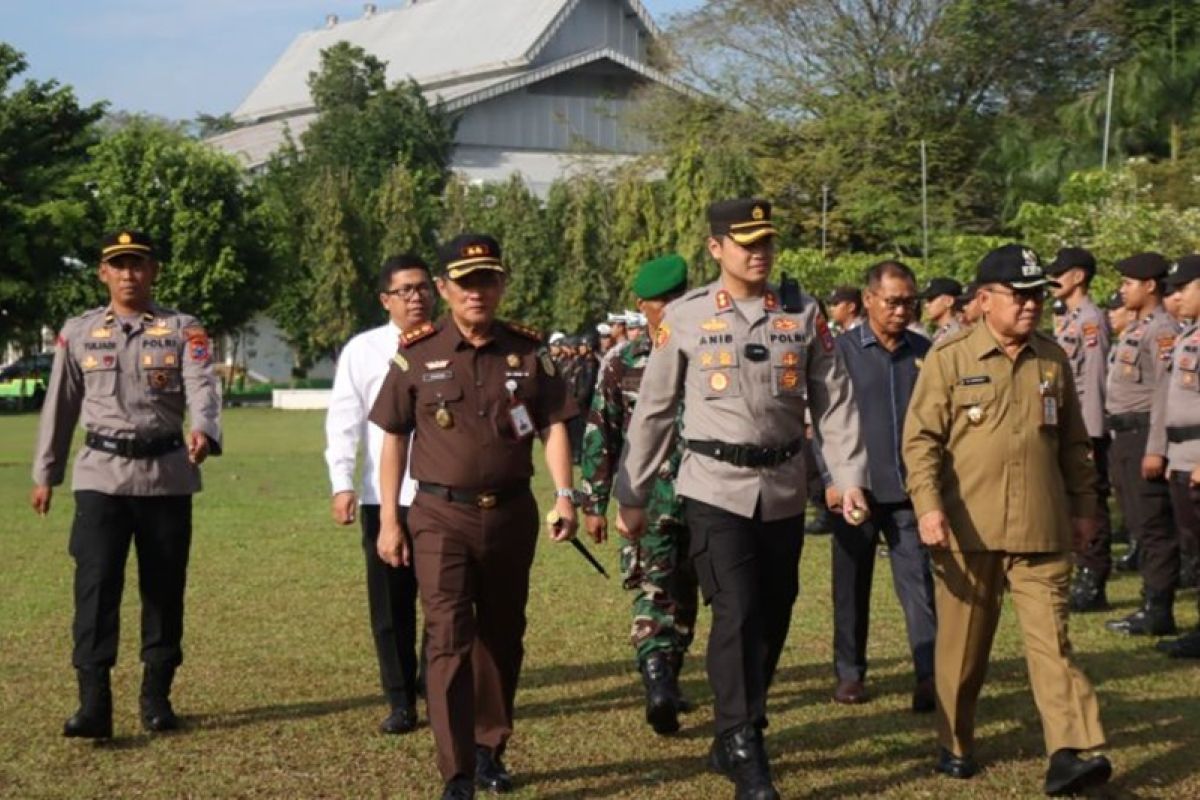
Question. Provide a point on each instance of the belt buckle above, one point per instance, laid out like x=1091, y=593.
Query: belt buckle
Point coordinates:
x=486, y=500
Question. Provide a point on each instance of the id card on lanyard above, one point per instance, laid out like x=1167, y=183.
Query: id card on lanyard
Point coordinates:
x=518, y=412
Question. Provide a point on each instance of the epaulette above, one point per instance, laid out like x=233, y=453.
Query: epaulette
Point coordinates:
x=946, y=341
x=523, y=330
x=692, y=295
x=413, y=335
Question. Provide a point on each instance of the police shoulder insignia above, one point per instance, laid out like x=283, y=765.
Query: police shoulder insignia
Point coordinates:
x=413, y=335
x=662, y=336
x=524, y=330
x=724, y=300
x=770, y=301
x=824, y=334
x=401, y=362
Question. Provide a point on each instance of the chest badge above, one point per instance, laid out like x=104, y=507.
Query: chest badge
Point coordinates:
x=784, y=324
x=975, y=415
x=719, y=382
x=513, y=360
x=443, y=418
x=102, y=333
x=714, y=325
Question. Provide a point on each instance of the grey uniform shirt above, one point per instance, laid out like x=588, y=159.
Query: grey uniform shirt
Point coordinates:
x=1177, y=404
x=699, y=359
x=1084, y=335
x=1138, y=362
x=134, y=384
x=950, y=328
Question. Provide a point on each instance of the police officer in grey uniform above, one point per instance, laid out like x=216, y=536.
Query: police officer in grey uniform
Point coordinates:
x=130, y=370
x=1138, y=364
x=1175, y=426
x=1083, y=334
x=745, y=358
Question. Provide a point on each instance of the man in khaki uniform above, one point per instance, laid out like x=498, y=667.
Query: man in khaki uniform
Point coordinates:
x=130, y=370
x=1000, y=477
x=744, y=358
x=1175, y=425
x=1138, y=365
x=1083, y=334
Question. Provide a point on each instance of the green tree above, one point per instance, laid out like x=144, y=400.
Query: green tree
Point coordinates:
x=45, y=205
x=193, y=201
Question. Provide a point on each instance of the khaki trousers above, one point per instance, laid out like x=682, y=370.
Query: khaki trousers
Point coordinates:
x=969, y=589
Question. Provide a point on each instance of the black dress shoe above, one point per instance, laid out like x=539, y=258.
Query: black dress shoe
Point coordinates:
x=1156, y=617
x=1131, y=561
x=1186, y=646
x=924, y=699
x=459, y=789
x=960, y=767
x=93, y=719
x=403, y=719
x=1088, y=592
x=490, y=772
x=1070, y=774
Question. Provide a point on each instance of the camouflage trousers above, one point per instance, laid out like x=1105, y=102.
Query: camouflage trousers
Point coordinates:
x=659, y=571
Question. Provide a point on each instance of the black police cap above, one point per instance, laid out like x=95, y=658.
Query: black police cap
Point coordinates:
x=124, y=241
x=743, y=219
x=470, y=252
x=1144, y=266
x=941, y=286
x=1183, y=271
x=1071, y=257
x=1013, y=265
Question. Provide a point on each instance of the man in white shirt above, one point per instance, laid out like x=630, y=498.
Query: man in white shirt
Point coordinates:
x=406, y=293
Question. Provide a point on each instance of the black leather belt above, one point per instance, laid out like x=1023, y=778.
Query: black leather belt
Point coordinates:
x=470, y=497
x=1178, y=434
x=745, y=455
x=1133, y=421
x=134, y=448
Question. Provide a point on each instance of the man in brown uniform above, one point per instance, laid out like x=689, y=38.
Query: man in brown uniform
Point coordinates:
x=744, y=359
x=1175, y=425
x=1137, y=366
x=472, y=392
x=1083, y=334
x=1000, y=475
x=130, y=370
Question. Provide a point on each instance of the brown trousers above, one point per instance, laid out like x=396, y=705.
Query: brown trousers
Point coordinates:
x=969, y=589
x=473, y=575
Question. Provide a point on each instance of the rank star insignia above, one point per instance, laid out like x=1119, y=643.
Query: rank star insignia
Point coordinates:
x=706, y=360
x=725, y=358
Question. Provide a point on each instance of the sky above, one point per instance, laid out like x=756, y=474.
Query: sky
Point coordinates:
x=175, y=58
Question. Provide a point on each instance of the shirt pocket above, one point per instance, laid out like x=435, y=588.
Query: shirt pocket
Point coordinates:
x=718, y=374
x=101, y=380
x=975, y=405
x=788, y=371
x=161, y=373
x=433, y=396
x=1128, y=364
x=1188, y=367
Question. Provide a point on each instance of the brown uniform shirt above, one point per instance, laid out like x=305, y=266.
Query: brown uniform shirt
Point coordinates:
x=700, y=360
x=438, y=375
x=1084, y=336
x=978, y=447
x=1177, y=404
x=129, y=384
x=1139, y=362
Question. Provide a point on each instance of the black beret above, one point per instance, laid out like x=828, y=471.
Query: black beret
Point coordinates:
x=744, y=219
x=1071, y=257
x=940, y=286
x=126, y=240
x=1183, y=271
x=1144, y=266
x=469, y=252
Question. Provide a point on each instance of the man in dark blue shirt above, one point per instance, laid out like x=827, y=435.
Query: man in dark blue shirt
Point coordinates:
x=883, y=358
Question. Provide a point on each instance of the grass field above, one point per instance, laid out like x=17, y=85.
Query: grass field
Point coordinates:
x=280, y=697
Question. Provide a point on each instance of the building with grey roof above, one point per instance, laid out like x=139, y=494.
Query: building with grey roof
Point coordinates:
x=539, y=87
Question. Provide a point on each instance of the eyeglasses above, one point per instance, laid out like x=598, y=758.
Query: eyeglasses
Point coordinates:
x=898, y=303
x=408, y=291
x=1022, y=296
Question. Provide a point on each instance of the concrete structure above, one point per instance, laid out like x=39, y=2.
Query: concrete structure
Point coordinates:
x=539, y=87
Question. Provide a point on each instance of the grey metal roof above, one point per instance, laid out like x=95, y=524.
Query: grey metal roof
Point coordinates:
x=436, y=42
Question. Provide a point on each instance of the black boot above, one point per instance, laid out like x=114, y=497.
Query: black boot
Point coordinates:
x=93, y=720
x=1186, y=646
x=685, y=705
x=740, y=756
x=1156, y=617
x=157, y=714
x=1131, y=561
x=662, y=693
x=1088, y=592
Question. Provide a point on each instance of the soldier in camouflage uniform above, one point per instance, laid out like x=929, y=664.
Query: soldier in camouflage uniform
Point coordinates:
x=655, y=567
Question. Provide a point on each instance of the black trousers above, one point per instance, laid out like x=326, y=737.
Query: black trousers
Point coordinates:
x=1185, y=502
x=104, y=526
x=392, y=602
x=1098, y=555
x=747, y=570
x=1147, y=508
x=853, y=571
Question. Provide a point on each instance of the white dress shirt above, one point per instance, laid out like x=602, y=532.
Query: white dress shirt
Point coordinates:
x=360, y=373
